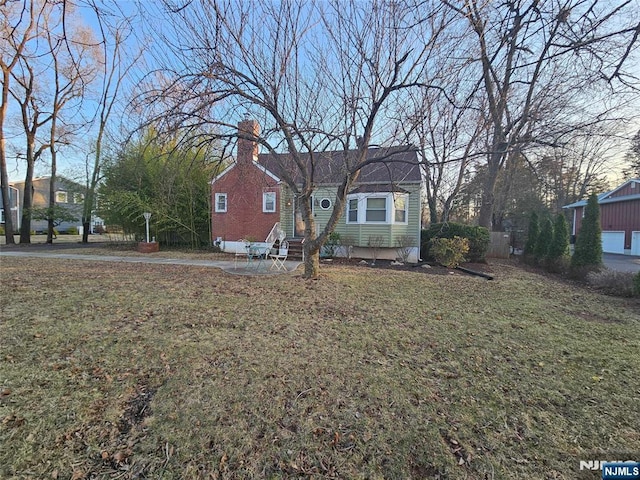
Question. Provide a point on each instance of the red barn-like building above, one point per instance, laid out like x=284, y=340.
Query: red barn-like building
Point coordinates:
x=619, y=218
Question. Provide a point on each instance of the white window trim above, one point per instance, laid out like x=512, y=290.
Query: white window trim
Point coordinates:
x=349, y=198
x=361, y=216
x=323, y=199
x=66, y=196
x=394, y=196
x=216, y=200
x=387, y=218
x=264, y=202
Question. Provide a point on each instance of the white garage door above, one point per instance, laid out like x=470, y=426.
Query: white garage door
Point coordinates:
x=635, y=243
x=613, y=242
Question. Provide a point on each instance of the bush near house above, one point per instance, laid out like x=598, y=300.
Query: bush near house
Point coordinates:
x=478, y=238
x=449, y=252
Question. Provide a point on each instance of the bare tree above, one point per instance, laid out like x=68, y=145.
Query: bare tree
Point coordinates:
x=72, y=69
x=116, y=64
x=447, y=130
x=18, y=21
x=632, y=157
x=532, y=54
x=33, y=116
x=321, y=75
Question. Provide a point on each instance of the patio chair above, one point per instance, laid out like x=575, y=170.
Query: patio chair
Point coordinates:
x=279, y=258
x=242, y=250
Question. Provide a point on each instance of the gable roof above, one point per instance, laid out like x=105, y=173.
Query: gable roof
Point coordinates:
x=610, y=196
x=254, y=164
x=392, y=165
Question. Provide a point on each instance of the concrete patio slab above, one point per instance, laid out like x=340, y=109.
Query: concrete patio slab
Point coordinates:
x=228, y=266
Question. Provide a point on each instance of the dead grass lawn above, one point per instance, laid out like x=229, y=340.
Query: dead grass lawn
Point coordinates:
x=158, y=371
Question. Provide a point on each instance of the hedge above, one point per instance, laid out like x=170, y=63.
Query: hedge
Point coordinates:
x=478, y=238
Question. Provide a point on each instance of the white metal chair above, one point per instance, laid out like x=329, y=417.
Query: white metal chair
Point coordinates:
x=242, y=251
x=279, y=258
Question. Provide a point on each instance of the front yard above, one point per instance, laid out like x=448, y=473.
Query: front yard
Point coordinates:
x=159, y=371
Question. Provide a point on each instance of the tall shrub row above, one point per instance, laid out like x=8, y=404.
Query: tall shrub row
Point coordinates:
x=588, y=249
x=548, y=243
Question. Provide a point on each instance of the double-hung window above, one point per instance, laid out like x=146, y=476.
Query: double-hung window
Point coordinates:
x=376, y=209
x=352, y=211
x=387, y=208
x=269, y=202
x=221, y=203
x=400, y=208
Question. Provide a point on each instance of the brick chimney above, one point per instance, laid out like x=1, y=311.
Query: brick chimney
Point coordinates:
x=248, y=131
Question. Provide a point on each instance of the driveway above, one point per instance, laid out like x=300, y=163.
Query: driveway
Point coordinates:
x=621, y=263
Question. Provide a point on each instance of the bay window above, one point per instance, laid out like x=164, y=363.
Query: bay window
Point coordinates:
x=400, y=208
x=388, y=208
x=376, y=209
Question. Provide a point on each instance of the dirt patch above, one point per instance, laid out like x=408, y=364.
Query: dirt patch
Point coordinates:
x=428, y=268
x=137, y=408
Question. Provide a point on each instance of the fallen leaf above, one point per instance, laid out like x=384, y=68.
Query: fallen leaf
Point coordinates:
x=77, y=475
x=119, y=457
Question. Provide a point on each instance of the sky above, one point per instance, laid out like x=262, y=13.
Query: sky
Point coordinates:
x=71, y=163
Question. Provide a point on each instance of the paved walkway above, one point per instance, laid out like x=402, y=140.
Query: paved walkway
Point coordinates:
x=225, y=265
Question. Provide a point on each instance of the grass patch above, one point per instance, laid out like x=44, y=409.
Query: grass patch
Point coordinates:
x=162, y=371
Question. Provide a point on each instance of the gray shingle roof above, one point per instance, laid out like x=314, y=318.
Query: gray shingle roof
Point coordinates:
x=395, y=165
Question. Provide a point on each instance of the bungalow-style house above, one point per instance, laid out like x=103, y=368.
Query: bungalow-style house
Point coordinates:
x=619, y=218
x=68, y=194
x=250, y=201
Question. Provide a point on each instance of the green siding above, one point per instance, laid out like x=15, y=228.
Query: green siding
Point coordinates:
x=286, y=210
x=359, y=233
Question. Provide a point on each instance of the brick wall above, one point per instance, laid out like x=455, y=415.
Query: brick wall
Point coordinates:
x=244, y=185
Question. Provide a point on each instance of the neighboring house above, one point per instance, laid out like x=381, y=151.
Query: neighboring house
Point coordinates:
x=14, y=207
x=619, y=218
x=250, y=200
x=68, y=194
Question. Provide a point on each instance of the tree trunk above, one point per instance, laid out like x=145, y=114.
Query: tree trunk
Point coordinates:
x=85, y=230
x=52, y=198
x=488, y=194
x=27, y=199
x=311, y=261
x=4, y=180
x=4, y=176
x=433, y=209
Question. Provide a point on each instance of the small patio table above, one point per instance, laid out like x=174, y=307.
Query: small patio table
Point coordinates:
x=258, y=251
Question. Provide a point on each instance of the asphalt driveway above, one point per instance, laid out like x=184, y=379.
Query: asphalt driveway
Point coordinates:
x=621, y=263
